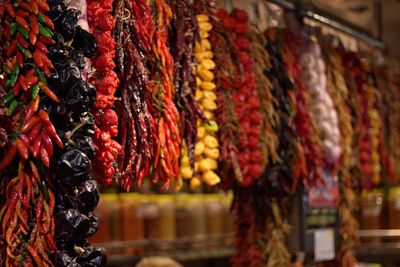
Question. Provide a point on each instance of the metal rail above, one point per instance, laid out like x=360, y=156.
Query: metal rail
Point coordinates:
x=331, y=22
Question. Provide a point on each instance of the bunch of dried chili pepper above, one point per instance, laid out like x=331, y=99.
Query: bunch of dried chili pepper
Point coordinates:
x=166, y=157
x=77, y=193
x=387, y=80
x=227, y=67
x=366, y=155
x=28, y=138
x=133, y=34
x=106, y=82
x=270, y=118
x=183, y=37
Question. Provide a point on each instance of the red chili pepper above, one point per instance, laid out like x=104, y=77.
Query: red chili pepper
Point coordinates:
x=34, y=169
x=24, y=138
x=34, y=133
x=41, y=47
x=44, y=156
x=36, y=147
x=39, y=210
x=23, y=83
x=22, y=22
x=10, y=10
x=34, y=24
x=29, y=124
x=48, y=144
x=22, y=13
x=22, y=41
x=46, y=61
x=51, y=131
x=35, y=7
x=38, y=59
x=43, y=5
x=8, y=156
x=35, y=104
x=20, y=59
x=16, y=89
x=34, y=255
x=32, y=38
x=7, y=34
x=12, y=47
x=46, y=40
x=22, y=149
x=24, y=5
x=48, y=92
x=49, y=22
x=31, y=109
x=46, y=71
x=31, y=80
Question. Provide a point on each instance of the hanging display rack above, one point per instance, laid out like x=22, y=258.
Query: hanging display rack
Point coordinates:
x=331, y=22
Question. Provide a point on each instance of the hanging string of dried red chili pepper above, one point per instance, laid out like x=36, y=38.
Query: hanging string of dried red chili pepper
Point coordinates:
x=137, y=130
x=183, y=37
x=387, y=79
x=167, y=149
x=27, y=217
x=366, y=153
x=227, y=66
x=106, y=81
x=270, y=118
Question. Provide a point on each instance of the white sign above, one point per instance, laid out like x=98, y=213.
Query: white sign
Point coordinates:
x=324, y=244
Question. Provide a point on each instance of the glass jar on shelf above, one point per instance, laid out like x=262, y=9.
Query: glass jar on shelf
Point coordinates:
x=183, y=220
x=198, y=219
x=371, y=204
x=132, y=223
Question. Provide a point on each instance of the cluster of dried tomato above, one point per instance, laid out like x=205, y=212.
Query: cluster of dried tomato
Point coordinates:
x=246, y=101
x=106, y=82
x=28, y=137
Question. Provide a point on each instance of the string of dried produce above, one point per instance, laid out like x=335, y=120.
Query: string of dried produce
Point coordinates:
x=313, y=73
x=227, y=67
x=386, y=159
x=183, y=36
x=305, y=124
x=77, y=193
x=367, y=154
x=106, y=83
x=268, y=138
x=28, y=136
x=340, y=94
x=206, y=150
x=388, y=84
x=278, y=181
x=137, y=130
x=246, y=102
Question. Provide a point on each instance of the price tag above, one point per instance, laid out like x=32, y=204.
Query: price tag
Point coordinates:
x=324, y=244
